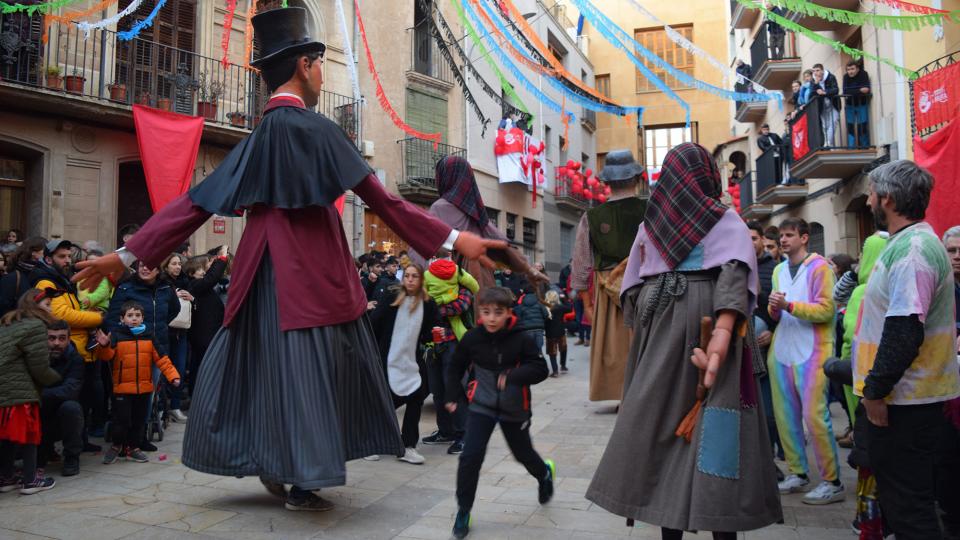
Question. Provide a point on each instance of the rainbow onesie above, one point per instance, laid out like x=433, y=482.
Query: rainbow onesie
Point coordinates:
x=802, y=342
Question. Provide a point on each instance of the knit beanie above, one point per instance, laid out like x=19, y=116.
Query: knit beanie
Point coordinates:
x=443, y=268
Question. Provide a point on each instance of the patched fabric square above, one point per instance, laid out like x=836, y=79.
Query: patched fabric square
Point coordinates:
x=719, y=449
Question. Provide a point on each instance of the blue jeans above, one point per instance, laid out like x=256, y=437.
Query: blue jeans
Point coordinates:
x=537, y=338
x=178, y=355
x=858, y=125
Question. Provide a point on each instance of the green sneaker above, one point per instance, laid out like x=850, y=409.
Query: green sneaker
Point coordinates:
x=546, y=483
x=461, y=526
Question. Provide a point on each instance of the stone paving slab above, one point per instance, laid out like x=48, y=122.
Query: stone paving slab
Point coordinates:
x=386, y=499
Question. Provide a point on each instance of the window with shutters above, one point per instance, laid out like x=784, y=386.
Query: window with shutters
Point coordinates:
x=603, y=84
x=161, y=51
x=657, y=41
x=427, y=112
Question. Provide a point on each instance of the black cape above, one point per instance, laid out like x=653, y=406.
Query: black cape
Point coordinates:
x=295, y=158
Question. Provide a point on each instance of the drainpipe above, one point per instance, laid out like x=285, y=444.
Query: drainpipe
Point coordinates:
x=358, y=247
x=901, y=96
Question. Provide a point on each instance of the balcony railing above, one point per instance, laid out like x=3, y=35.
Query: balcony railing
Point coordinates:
x=775, y=61
x=559, y=12
x=114, y=72
x=425, y=57
x=588, y=119
x=769, y=169
x=419, y=168
x=565, y=197
x=749, y=111
x=838, y=137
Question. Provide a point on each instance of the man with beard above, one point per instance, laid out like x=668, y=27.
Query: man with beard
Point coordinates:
x=61, y=417
x=54, y=272
x=904, y=356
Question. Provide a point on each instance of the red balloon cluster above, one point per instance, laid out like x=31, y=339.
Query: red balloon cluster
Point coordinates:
x=582, y=183
x=734, y=191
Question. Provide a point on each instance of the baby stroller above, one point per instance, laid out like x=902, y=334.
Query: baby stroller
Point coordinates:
x=157, y=418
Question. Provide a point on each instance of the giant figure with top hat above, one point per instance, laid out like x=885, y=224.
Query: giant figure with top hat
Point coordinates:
x=291, y=387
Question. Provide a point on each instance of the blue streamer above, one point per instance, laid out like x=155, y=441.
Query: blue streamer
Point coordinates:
x=134, y=30
x=613, y=32
x=584, y=101
x=508, y=63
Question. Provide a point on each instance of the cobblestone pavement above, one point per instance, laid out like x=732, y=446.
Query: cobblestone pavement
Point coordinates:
x=386, y=499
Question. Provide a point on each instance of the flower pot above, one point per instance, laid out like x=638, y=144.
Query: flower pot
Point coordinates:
x=55, y=82
x=118, y=92
x=75, y=83
x=207, y=109
x=164, y=104
x=238, y=120
x=143, y=99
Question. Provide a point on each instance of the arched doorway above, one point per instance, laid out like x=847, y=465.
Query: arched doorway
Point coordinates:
x=133, y=199
x=21, y=189
x=864, y=217
x=817, y=242
x=739, y=161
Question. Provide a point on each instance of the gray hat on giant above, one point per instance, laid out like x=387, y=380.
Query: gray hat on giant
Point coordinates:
x=620, y=166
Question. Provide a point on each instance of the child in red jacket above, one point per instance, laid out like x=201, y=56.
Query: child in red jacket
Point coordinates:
x=132, y=353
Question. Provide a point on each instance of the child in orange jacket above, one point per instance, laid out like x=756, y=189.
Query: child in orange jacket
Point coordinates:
x=131, y=353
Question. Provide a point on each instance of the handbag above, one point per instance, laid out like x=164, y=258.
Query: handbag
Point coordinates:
x=182, y=322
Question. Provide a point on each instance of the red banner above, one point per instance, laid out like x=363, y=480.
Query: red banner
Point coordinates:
x=800, y=136
x=168, y=150
x=936, y=97
x=940, y=154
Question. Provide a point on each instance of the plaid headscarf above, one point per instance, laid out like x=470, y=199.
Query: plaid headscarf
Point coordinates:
x=685, y=203
x=456, y=183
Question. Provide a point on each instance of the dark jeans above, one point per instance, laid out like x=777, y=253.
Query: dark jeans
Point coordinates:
x=479, y=429
x=449, y=424
x=585, y=332
x=948, y=478
x=179, y=352
x=129, y=419
x=767, y=395
x=410, y=428
x=776, y=45
x=8, y=454
x=904, y=457
x=61, y=422
x=92, y=395
x=538, y=338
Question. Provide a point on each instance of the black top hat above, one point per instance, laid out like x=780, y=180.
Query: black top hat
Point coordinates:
x=620, y=166
x=283, y=32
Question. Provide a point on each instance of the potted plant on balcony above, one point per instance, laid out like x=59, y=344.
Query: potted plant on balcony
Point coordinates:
x=54, y=78
x=74, y=82
x=237, y=119
x=209, y=95
x=118, y=91
x=164, y=104
x=144, y=98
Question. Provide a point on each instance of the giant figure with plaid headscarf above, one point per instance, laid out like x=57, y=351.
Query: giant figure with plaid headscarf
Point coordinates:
x=692, y=258
x=603, y=242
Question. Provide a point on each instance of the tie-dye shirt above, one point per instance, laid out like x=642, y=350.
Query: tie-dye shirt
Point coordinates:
x=912, y=277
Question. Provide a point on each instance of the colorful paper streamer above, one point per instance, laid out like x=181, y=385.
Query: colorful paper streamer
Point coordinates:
x=662, y=86
x=583, y=101
x=517, y=72
x=856, y=54
x=87, y=27
x=692, y=48
x=610, y=30
x=248, y=36
x=904, y=23
x=31, y=9
x=485, y=54
x=382, y=97
x=135, y=30
x=227, y=29
x=911, y=7
x=69, y=17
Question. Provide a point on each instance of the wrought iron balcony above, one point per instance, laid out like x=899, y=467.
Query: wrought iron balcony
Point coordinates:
x=771, y=187
x=840, y=152
x=419, y=184
x=749, y=111
x=99, y=77
x=749, y=208
x=775, y=65
x=588, y=119
x=425, y=57
x=566, y=198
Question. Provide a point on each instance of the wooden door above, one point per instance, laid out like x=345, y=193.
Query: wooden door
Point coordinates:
x=378, y=233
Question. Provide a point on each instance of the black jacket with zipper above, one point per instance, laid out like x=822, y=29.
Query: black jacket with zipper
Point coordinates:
x=208, y=308
x=509, y=351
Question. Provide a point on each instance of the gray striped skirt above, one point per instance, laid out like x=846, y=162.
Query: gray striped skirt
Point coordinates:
x=290, y=407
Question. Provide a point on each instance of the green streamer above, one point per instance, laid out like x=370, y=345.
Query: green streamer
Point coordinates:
x=856, y=54
x=905, y=23
x=284, y=4
x=31, y=9
x=504, y=83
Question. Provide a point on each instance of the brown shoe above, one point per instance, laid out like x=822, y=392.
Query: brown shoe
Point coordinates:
x=846, y=441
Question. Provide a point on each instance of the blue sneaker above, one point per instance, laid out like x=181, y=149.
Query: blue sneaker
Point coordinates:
x=461, y=526
x=546, y=484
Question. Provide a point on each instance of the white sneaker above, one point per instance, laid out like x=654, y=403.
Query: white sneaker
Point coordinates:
x=825, y=493
x=178, y=415
x=792, y=484
x=372, y=458
x=410, y=455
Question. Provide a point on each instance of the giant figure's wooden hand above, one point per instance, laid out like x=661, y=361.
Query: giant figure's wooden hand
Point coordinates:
x=93, y=272
x=474, y=247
